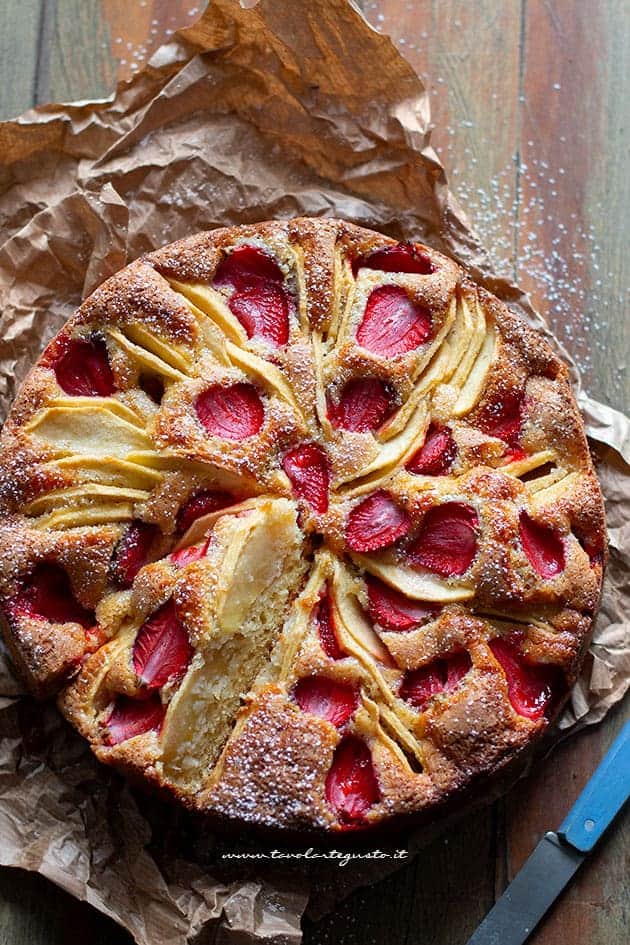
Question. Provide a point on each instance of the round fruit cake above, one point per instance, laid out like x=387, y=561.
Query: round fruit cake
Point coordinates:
x=300, y=525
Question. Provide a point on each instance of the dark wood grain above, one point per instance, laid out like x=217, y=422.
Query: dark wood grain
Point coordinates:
x=34, y=912
x=76, y=38
x=520, y=90
x=594, y=909
x=469, y=56
x=574, y=118
x=436, y=900
x=19, y=33
x=574, y=138
x=94, y=44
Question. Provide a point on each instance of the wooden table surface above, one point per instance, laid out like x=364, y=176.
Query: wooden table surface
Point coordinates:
x=531, y=102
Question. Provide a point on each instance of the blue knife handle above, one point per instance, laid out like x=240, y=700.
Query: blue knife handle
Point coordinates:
x=602, y=798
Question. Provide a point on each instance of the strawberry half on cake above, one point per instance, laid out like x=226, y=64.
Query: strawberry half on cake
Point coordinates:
x=300, y=526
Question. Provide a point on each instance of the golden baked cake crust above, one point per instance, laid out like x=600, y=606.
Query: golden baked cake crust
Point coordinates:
x=300, y=525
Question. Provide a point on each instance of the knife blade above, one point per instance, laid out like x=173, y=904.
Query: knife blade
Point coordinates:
x=530, y=894
x=558, y=855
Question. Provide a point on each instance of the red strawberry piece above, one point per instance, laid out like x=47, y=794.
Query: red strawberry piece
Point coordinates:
x=436, y=455
x=308, y=469
x=132, y=551
x=595, y=555
x=247, y=267
x=82, y=369
x=504, y=420
x=392, y=323
x=442, y=675
x=263, y=311
x=420, y=685
x=447, y=542
x=131, y=717
x=363, y=407
x=532, y=687
x=189, y=555
x=457, y=665
x=392, y=610
x=351, y=785
x=202, y=503
x=594, y=551
x=95, y=637
x=234, y=413
x=47, y=595
x=542, y=545
x=401, y=258
x=326, y=698
x=161, y=650
x=376, y=523
x=325, y=623
x=513, y=455
x=153, y=386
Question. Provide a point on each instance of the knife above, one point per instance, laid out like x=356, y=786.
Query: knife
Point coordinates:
x=559, y=854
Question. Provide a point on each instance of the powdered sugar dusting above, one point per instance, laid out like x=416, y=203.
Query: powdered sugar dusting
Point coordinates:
x=529, y=212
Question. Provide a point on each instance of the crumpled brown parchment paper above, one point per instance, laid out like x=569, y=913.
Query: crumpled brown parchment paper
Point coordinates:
x=255, y=112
